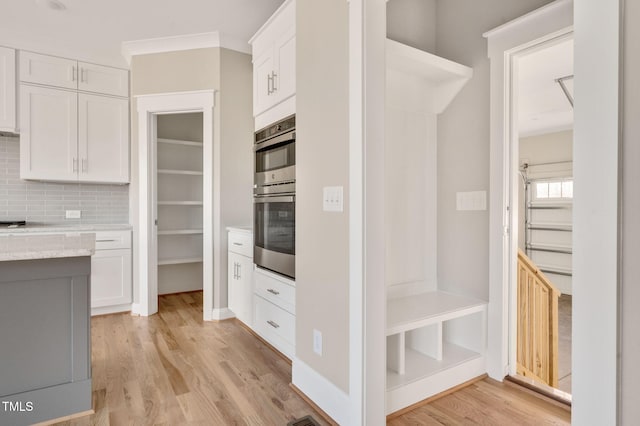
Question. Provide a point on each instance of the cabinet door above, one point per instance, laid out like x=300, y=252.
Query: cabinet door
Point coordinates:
x=103, y=139
x=233, y=284
x=110, y=278
x=285, y=81
x=245, y=288
x=49, y=134
x=48, y=70
x=263, y=95
x=7, y=89
x=101, y=79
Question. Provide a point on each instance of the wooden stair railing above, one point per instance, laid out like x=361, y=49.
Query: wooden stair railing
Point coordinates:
x=537, y=341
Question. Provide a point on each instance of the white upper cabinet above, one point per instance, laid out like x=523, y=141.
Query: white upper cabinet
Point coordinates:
x=70, y=74
x=103, y=139
x=49, y=134
x=8, y=122
x=274, y=59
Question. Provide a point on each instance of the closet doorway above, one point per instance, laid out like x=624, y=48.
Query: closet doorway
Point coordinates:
x=176, y=212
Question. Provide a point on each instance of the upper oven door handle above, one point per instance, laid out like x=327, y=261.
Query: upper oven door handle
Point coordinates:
x=276, y=199
x=285, y=137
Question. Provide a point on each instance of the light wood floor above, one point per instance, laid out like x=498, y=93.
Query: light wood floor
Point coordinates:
x=175, y=369
x=487, y=402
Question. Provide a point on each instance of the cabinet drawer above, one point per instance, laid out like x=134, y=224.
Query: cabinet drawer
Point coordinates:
x=274, y=324
x=241, y=243
x=110, y=240
x=275, y=291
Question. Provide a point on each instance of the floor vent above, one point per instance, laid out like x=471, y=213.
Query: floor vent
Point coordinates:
x=304, y=421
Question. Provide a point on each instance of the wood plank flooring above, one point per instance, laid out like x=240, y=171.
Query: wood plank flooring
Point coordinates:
x=486, y=402
x=175, y=369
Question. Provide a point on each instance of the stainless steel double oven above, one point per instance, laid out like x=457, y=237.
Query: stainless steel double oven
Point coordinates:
x=274, y=207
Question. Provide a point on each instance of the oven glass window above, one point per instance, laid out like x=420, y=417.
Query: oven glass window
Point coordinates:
x=275, y=226
x=276, y=157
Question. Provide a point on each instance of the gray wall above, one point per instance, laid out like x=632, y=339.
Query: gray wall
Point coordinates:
x=630, y=223
x=463, y=140
x=46, y=202
x=322, y=157
x=416, y=29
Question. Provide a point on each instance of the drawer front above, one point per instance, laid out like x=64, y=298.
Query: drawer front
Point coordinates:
x=110, y=240
x=274, y=323
x=275, y=291
x=241, y=243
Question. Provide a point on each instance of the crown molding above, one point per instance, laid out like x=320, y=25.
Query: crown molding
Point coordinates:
x=183, y=42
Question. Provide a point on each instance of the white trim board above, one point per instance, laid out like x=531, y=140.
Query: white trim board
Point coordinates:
x=330, y=398
x=183, y=42
x=222, y=314
x=149, y=106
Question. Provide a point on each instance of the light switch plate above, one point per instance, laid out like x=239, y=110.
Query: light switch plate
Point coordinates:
x=474, y=200
x=72, y=214
x=332, y=200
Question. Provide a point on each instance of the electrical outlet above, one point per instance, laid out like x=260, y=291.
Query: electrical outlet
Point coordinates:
x=72, y=214
x=317, y=342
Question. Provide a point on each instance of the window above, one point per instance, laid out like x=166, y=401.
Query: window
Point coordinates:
x=553, y=190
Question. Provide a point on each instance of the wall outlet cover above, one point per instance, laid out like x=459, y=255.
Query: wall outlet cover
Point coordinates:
x=317, y=342
x=72, y=214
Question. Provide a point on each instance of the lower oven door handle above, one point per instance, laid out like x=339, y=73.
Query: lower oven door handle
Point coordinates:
x=276, y=199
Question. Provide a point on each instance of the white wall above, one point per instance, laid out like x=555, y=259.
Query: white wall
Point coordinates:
x=630, y=225
x=463, y=141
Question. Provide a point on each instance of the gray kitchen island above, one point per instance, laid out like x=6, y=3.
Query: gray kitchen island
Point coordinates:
x=45, y=342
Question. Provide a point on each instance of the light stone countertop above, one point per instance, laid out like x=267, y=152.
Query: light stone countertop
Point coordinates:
x=39, y=227
x=35, y=246
x=243, y=229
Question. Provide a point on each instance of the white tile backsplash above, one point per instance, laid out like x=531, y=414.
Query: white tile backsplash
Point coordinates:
x=46, y=202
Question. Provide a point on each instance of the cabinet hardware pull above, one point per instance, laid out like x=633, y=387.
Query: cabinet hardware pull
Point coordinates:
x=75, y=164
x=239, y=271
x=273, y=324
x=272, y=291
x=269, y=84
x=237, y=244
x=105, y=241
x=84, y=164
x=273, y=81
x=235, y=271
x=73, y=73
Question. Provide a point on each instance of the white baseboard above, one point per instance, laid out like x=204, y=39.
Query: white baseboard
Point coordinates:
x=135, y=309
x=222, y=314
x=104, y=310
x=330, y=398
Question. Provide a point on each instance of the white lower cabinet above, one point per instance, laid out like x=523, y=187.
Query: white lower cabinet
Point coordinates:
x=111, y=286
x=240, y=274
x=274, y=317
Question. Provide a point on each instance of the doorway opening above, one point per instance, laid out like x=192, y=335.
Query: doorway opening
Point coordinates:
x=541, y=182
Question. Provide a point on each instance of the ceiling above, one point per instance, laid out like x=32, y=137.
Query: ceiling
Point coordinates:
x=543, y=107
x=93, y=30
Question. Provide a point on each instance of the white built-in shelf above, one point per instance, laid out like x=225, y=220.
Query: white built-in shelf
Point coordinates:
x=179, y=172
x=409, y=68
x=568, y=227
x=418, y=366
x=180, y=142
x=179, y=260
x=415, y=311
x=181, y=232
x=179, y=203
